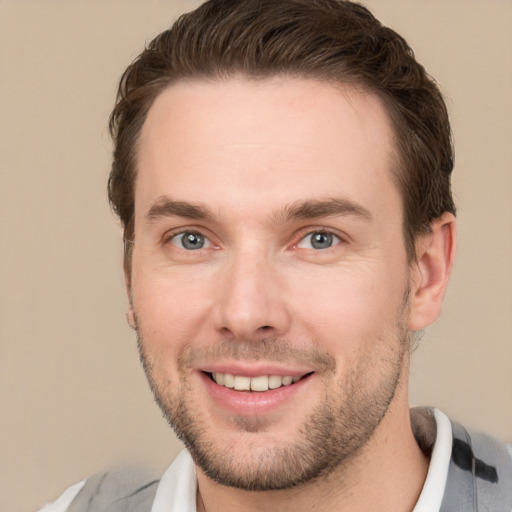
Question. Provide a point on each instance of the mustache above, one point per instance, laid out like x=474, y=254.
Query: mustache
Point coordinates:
x=264, y=349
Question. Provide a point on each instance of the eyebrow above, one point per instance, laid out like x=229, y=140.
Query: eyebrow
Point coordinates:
x=299, y=210
x=316, y=208
x=165, y=207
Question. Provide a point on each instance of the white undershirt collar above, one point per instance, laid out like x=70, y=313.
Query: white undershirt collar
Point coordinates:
x=433, y=489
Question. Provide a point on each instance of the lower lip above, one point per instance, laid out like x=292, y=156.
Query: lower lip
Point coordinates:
x=252, y=403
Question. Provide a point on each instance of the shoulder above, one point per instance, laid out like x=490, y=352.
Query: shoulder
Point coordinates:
x=480, y=471
x=123, y=488
x=116, y=489
x=134, y=489
x=64, y=500
x=486, y=457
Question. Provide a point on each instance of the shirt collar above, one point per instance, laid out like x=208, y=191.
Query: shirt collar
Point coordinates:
x=433, y=489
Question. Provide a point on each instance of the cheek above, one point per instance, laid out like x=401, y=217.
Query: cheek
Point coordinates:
x=170, y=307
x=350, y=308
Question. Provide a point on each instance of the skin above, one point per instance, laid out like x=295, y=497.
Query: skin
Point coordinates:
x=258, y=298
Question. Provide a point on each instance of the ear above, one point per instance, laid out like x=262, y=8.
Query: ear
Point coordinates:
x=435, y=253
x=130, y=312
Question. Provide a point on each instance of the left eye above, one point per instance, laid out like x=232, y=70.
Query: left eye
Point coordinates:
x=190, y=241
x=318, y=240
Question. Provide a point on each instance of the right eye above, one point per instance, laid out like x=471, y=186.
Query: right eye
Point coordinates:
x=319, y=240
x=190, y=241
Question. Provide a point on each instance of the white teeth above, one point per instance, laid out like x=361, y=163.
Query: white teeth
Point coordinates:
x=242, y=383
x=260, y=383
x=274, y=382
x=287, y=381
x=229, y=380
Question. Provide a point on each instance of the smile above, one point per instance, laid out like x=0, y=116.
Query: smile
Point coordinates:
x=260, y=383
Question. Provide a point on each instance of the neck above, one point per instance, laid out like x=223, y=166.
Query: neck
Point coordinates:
x=386, y=475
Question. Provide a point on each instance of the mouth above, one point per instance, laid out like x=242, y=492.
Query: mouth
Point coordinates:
x=260, y=383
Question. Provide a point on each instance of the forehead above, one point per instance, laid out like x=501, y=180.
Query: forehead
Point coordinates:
x=284, y=139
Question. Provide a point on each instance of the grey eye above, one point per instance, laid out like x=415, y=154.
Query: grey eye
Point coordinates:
x=321, y=240
x=190, y=241
x=318, y=240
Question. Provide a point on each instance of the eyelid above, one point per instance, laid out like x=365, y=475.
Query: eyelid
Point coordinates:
x=304, y=233
x=194, y=230
x=180, y=236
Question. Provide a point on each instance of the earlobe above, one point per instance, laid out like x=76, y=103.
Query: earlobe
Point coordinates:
x=435, y=254
x=130, y=317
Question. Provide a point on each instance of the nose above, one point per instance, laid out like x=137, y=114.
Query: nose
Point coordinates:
x=252, y=301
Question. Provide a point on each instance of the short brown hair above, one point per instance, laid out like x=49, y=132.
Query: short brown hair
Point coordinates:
x=330, y=40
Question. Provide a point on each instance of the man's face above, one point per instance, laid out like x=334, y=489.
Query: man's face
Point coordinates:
x=269, y=249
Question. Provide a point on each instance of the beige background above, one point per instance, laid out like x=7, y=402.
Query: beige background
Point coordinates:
x=72, y=396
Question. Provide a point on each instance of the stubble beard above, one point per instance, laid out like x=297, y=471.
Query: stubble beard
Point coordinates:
x=336, y=430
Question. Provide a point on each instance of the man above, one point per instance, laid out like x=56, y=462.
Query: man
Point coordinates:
x=282, y=174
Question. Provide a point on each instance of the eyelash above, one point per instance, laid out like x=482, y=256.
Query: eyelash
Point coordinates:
x=191, y=233
x=337, y=239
